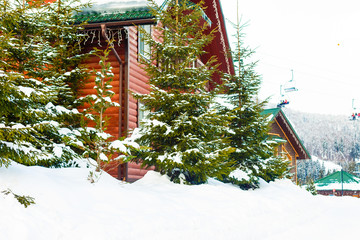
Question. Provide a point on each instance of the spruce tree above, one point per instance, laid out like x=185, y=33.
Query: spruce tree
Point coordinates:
x=100, y=146
x=38, y=79
x=183, y=133
x=248, y=129
x=310, y=187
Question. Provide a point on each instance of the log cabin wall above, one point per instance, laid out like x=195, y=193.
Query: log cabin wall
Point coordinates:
x=138, y=83
x=277, y=130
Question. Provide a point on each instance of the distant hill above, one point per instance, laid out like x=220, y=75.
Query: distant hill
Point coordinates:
x=329, y=137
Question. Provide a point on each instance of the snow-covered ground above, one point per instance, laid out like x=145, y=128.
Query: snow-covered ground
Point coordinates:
x=68, y=206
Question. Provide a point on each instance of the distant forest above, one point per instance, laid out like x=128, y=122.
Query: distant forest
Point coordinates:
x=329, y=137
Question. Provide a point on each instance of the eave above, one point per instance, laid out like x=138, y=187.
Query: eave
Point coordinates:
x=121, y=23
x=292, y=136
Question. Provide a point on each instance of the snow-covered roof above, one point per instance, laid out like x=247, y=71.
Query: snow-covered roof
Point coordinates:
x=116, y=11
x=120, y=10
x=111, y=6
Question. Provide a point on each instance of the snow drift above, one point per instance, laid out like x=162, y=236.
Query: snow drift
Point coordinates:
x=69, y=207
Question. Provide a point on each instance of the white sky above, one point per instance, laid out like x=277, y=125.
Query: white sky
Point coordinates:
x=318, y=39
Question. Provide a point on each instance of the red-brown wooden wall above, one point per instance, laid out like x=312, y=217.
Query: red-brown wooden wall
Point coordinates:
x=138, y=82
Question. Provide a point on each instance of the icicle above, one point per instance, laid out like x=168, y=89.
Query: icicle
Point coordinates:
x=108, y=33
x=99, y=39
x=79, y=43
x=126, y=31
x=87, y=36
x=112, y=34
x=82, y=37
x=93, y=35
x=119, y=37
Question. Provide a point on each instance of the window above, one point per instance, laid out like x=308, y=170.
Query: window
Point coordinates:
x=142, y=113
x=286, y=154
x=144, y=47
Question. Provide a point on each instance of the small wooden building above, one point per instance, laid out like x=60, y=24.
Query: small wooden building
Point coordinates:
x=339, y=183
x=119, y=20
x=290, y=145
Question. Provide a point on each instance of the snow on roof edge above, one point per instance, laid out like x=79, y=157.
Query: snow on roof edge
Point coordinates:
x=111, y=6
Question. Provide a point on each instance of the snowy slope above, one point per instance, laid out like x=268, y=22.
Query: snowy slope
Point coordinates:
x=69, y=207
x=329, y=166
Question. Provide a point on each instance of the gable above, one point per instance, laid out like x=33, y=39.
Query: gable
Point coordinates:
x=278, y=116
x=220, y=46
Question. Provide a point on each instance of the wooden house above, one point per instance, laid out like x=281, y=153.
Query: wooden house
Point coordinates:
x=119, y=20
x=290, y=145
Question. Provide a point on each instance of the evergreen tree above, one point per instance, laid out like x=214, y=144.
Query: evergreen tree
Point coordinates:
x=311, y=170
x=22, y=199
x=350, y=167
x=249, y=129
x=355, y=151
x=310, y=187
x=184, y=135
x=38, y=79
x=99, y=146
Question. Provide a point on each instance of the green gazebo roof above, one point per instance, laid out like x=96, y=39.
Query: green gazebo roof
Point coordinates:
x=335, y=180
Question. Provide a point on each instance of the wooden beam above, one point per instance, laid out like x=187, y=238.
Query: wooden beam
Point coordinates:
x=121, y=23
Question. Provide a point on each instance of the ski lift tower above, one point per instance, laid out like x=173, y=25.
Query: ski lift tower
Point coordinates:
x=285, y=88
x=355, y=114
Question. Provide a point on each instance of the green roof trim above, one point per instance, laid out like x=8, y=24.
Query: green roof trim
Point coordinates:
x=278, y=139
x=273, y=112
x=113, y=17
